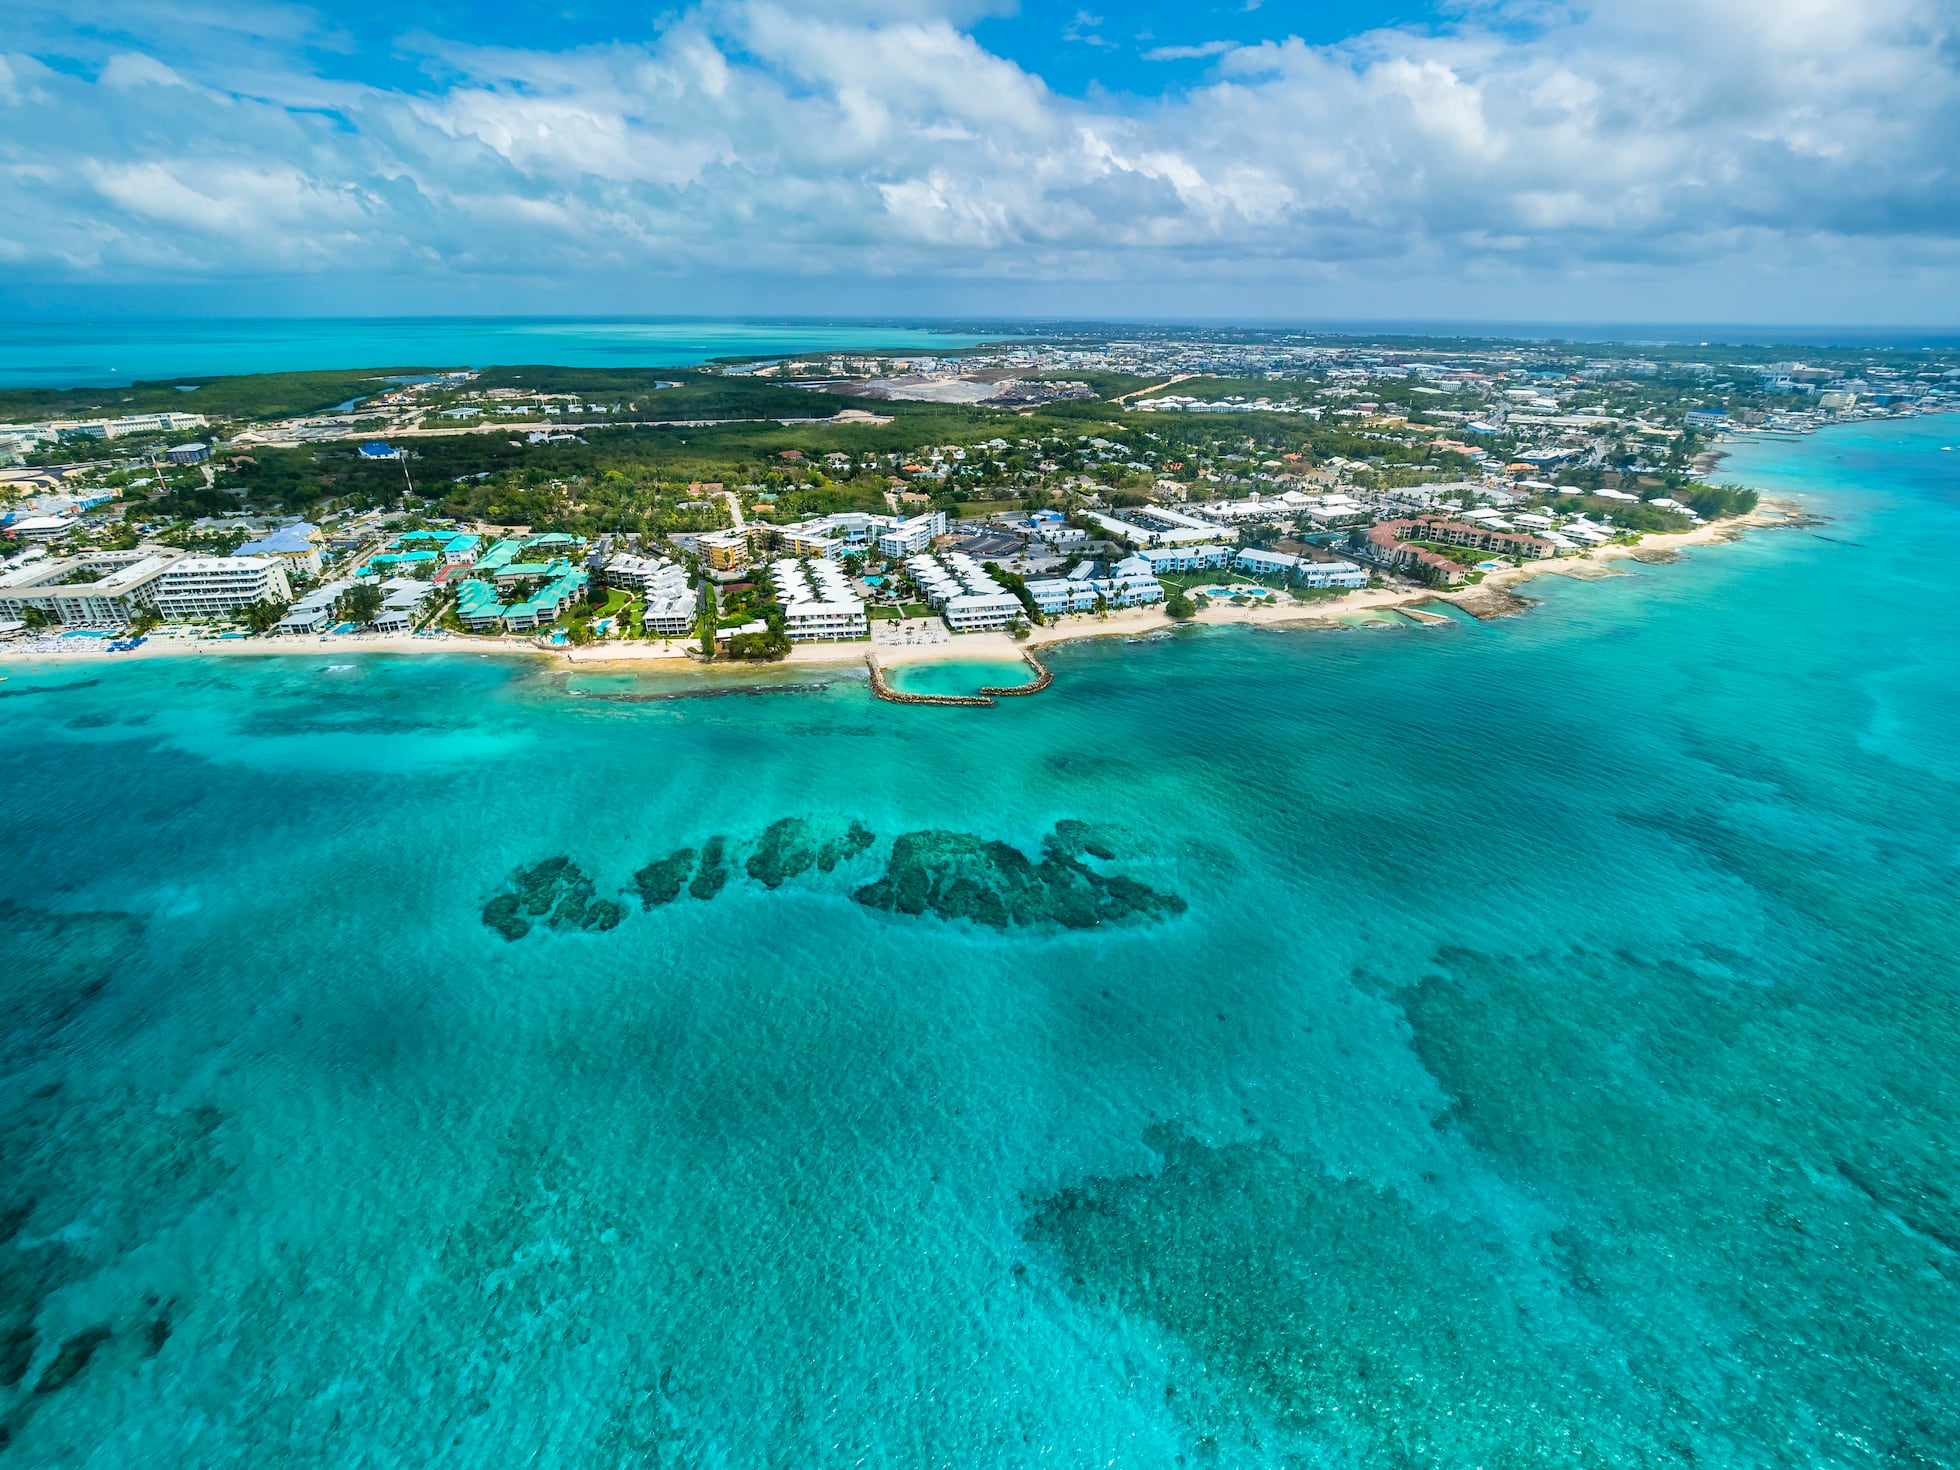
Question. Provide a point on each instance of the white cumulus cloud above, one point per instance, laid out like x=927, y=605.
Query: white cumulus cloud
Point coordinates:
x=880, y=138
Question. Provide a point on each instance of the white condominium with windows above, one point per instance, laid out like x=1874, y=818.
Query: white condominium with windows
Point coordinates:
x=211, y=586
x=105, y=589
x=827, y=610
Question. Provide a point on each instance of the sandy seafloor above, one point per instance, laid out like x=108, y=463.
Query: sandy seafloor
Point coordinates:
x=1518, y=1043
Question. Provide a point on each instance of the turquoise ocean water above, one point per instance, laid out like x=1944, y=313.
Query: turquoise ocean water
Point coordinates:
x=73, y=354
x=1528, y=1043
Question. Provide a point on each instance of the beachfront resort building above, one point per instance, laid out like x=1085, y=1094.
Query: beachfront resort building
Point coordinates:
x=968, y=598
x=108, y=589
x=817, y=601
x=1130, y=583
x=403, y=601
x=670, y=604
x=555, y=585
x=111, y=589
x=217, y=586
x=313, y=612
x=296, y=545
x=1308, y=573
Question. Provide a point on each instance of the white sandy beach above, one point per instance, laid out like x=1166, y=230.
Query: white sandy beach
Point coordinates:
x=916, y=640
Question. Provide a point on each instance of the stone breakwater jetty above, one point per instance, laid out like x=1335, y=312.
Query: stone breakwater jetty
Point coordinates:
x=985, y=699
x=1042, y=679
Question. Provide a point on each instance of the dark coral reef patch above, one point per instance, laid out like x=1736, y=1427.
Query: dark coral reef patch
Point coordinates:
x=712, y=876
x=956, y=875
x=952, y=875
x=795, y=845
x=555, y=890
x=661, y=880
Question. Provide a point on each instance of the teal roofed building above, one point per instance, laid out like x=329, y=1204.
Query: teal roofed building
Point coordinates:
x=393, y=561
x=478, y=607
x=529, y=571
x=547, y=604
x=501, y=554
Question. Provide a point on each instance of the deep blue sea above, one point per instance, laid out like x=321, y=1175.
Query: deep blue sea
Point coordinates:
x=96, y=353
x=1529, y=1043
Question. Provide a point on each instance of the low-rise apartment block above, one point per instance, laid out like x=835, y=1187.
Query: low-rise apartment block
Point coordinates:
x=818, y=603
x=970, y=600
x=1309, y=573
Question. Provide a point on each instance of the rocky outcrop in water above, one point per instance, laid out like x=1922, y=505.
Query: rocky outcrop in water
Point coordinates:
x=955, y=875
x=661, y=880
x=951, y=875
x=795, y=845
x=555, y=890
x=712, y=875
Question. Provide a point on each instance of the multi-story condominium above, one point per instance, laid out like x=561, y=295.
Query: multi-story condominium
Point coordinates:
x=297, y=544
x=912, y=536
x=1080, y=594
x=637, y=573
x=960, y=588
x=1474, y=536
x=405, y=599
x=313, y=613
x=827, y=610
x=725, y=550
x=212, y=586
x=109, y=589
x=547, y=602
x=672, y=616
x=975, y=612
x=934, y=582
x=1300, y=569
x=1185, y=558
x=478, y=607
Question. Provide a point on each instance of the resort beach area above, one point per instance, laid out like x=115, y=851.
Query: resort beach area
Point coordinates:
x=921, y=640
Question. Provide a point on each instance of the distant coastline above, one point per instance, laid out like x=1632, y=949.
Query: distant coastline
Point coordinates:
x=1493, y=597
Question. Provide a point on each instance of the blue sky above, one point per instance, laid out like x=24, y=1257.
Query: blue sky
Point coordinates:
x=1531, y=160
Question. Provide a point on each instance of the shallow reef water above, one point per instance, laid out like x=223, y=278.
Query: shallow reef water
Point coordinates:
x=1521, y=1043
x=951, y=875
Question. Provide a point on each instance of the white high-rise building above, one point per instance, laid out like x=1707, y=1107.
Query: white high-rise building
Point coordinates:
x=211, y=586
